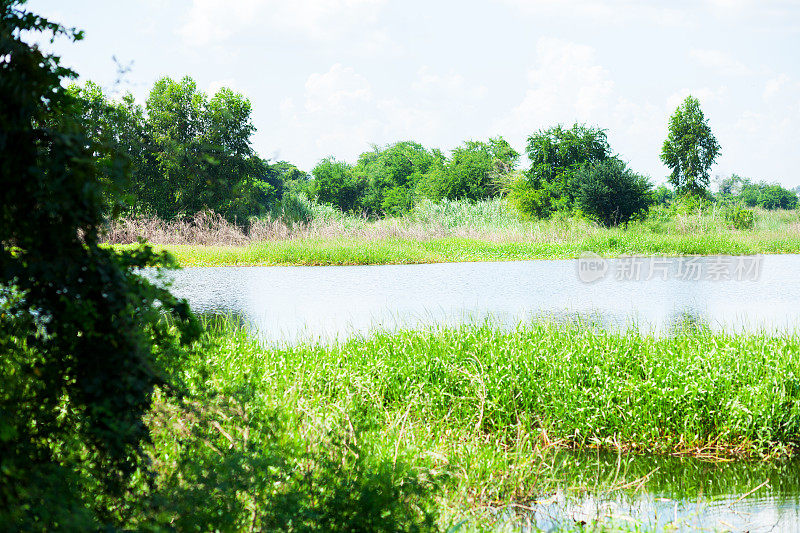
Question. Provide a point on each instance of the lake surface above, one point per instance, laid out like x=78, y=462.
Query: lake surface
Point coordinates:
x=660, y=294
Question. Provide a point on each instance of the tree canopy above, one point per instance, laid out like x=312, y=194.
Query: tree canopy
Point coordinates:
x=610, y=193
x=80, y=333
x=690, y=148
x=187, y=151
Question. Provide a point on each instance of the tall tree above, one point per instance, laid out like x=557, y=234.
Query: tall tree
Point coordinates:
x=690, y=148
x=80, y=331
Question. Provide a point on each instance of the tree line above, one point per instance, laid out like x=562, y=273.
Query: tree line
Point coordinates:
x=188, y=151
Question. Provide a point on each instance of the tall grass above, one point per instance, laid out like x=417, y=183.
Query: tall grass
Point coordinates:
x=698, y=392
x=453, y=231
x=479, y=413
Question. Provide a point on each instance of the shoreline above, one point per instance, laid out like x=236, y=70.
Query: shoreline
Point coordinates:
x=397, y=251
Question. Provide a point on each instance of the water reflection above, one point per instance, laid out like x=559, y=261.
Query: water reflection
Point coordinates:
x=292, y=303
x=667, y=493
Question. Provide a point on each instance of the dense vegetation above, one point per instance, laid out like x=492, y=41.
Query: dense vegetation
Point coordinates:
x=119, y=410
x=80, y=332
x=98, y=428
x=188, y=152
x=481, y=411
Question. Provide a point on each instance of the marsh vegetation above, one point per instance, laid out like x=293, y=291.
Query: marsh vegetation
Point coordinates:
x=121, y=410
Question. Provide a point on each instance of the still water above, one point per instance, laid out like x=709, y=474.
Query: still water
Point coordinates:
x=288, y=304
x=666, y=494
x=293, y=303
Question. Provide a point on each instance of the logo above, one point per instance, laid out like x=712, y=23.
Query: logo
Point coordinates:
x=591, y=267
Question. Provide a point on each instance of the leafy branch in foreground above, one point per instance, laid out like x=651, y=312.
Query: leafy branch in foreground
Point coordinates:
x=81, y=332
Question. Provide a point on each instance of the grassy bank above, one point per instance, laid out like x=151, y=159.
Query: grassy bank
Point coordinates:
x=473, y=418
x=456, y=231
x=355, y=251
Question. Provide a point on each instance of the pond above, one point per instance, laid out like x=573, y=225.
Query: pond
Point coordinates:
x=660, y=294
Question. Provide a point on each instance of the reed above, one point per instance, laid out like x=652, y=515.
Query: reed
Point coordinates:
x=451, y=231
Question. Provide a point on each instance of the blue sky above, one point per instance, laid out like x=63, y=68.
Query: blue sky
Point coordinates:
x=330, y=77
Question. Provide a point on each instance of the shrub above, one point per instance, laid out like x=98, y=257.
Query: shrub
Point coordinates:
x=663, y=195
x=739, y=217
x=610, y=193
x=531, y=201
x=768, y=196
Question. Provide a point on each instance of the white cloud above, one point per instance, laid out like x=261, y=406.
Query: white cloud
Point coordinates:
x=227, y=83
x=342, y=112
x=706, y=95
x=774, y=86
x=447, y=86
x=213, y=21
x=615, y=12
x=564, y=86
x=336, y=91
x=719, y=61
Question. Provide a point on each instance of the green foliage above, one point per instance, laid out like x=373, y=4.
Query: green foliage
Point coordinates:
x=80, y=332
x=610, y=193
x=335, y=184
x=756, y=194
x=688, y=204
x=531, y=201
x=739, y=217
x=473, y=171
x=392, y=175
x=230, y=461
x=768, y=196
x=556, y=155
x=676, y=392
x=389, y=181
x=663, y=195
x=187, y=152
x=690, y=148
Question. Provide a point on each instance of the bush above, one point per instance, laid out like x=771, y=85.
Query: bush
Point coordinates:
x=768, y=196
x=663, y=195
x=531, y=201
x=739, y=217
x=81, y=333
x=611, y=194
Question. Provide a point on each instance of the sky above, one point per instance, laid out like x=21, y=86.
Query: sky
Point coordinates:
x=332, y=77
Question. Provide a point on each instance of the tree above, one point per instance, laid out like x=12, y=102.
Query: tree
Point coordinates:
x=690, y=148
x=81, y=333
x=392, y=174
x=188, y=152
x=610, y=193
x=768, y=196
x=335, y=184
x=473, y=171
x=556, y=154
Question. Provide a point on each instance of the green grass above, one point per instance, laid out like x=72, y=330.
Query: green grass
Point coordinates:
x=484, y=415
x=356, y=251
x=452, y=231
x=578, y=386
